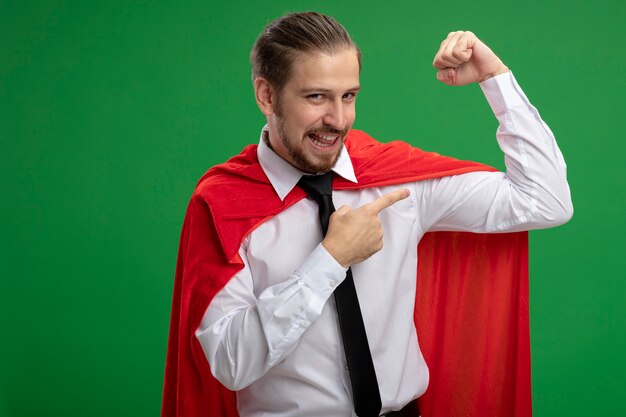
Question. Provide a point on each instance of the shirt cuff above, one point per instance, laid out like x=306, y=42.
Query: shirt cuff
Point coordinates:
x=503, y=92
x=321, y=272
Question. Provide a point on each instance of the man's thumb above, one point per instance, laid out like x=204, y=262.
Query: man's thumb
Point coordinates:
x=446, y=75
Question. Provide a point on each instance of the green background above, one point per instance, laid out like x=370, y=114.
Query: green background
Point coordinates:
x=110, y=111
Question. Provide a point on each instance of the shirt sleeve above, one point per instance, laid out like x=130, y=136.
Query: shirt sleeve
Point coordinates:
x=532, y=194
x=243, y=335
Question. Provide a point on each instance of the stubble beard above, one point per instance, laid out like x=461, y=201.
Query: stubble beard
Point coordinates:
x=299, y=157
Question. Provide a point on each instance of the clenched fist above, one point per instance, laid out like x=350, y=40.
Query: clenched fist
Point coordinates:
x=356, y=234
x=463, y=59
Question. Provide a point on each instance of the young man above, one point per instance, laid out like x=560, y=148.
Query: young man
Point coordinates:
x=256, y=270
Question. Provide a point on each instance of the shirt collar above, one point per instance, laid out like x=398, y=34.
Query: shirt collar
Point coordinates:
x=283, y=176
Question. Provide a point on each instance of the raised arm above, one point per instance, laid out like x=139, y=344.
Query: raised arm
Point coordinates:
x=533, y=193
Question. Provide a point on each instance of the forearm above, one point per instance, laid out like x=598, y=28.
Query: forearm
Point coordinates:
x=535, y=168
x=243, y=336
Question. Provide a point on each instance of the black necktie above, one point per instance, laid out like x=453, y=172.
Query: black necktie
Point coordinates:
x=362, y=374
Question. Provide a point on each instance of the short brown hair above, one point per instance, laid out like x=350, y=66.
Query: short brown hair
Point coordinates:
x=276, y=47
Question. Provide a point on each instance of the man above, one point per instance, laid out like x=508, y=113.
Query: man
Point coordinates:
x=252, y=302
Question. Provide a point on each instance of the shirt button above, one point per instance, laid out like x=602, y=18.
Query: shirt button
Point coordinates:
x=333, y=283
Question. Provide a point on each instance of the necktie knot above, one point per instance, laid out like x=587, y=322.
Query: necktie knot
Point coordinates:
x=317, y=186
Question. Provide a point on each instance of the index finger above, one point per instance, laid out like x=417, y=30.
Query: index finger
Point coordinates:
x=387, y=200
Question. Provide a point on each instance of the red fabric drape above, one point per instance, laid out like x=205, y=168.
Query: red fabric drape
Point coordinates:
x=471, y=315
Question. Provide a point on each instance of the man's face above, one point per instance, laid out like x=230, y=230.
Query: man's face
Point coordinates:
x=315, y=110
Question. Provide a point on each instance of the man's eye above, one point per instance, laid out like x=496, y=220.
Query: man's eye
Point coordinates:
x=315, y=97
x=349, y=96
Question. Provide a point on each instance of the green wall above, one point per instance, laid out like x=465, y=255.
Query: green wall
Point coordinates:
x=110, y=111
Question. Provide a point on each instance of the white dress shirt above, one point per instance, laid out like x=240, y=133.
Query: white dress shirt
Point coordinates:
x=272, y=334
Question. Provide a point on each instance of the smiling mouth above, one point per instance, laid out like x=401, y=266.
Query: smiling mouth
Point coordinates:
x=324, y=140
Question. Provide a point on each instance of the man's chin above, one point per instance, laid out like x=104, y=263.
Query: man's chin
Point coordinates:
x=316, y=167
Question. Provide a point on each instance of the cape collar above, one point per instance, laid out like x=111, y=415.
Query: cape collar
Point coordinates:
x=283, y=176
x=241, y=196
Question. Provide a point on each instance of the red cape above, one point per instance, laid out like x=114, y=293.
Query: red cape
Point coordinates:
x=471, y=308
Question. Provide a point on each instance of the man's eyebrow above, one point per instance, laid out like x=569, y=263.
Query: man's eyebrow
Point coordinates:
x=326, y=90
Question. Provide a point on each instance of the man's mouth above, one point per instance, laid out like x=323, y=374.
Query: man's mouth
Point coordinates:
x=324, y=140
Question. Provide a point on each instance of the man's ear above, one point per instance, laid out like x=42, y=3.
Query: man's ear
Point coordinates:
x=265, y=95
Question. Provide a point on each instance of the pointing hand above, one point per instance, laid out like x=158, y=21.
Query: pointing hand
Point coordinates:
x=356, y=234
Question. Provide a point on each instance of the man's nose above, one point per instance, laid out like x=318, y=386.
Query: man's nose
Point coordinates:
x=335, y=115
